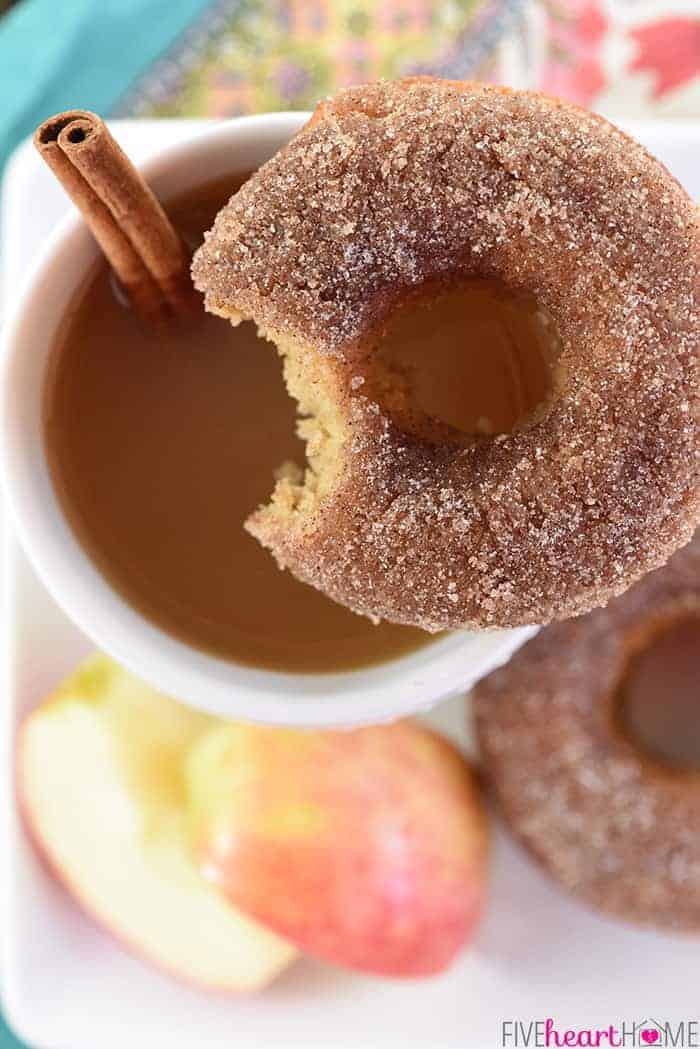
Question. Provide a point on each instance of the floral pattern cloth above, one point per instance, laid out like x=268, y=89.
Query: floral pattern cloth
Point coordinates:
x=631, y=57
x=637, y=57
x=248, y=56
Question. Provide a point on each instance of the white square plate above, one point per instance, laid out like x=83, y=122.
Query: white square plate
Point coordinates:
x=66, y=985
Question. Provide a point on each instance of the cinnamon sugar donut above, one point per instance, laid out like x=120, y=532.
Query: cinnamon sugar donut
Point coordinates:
x=605, y=817
x=399, y=189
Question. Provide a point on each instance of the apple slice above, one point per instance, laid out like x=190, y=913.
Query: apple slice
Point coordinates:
x=366, y=848
x=101, y=786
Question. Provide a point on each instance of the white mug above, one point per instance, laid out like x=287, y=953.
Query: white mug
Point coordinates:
x=397, y=687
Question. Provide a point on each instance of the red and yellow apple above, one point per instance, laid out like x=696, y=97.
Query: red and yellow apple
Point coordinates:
x=366, y=848
x=100, y=779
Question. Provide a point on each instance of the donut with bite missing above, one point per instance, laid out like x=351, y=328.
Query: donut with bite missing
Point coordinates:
x=398, y=192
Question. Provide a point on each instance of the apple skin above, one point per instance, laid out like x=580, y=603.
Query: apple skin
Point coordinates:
x=366, y=848
x=99, y=787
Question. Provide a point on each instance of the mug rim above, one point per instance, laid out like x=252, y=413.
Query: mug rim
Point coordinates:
x=404, y=685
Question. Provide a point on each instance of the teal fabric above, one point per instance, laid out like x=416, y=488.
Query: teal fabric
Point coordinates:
x=8, y=1040
x=63, y=54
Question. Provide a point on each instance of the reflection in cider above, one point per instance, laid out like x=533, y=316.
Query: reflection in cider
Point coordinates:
x=477, y=356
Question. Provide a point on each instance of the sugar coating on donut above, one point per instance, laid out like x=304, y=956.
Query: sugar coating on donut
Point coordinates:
x=399, y=187
x=604, y=818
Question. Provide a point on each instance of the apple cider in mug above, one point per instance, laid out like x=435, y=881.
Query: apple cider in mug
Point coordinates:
x=160, y=445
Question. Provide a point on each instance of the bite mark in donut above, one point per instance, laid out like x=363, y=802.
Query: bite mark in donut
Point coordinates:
x=396, y=188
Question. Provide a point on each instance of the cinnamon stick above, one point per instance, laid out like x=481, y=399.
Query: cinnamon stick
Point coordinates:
x=126, y=219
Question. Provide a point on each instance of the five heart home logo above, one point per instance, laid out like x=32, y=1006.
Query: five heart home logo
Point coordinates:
x=624, y=1034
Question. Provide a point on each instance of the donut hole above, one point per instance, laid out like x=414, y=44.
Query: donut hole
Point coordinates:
x=659, y=696
x=474, y=359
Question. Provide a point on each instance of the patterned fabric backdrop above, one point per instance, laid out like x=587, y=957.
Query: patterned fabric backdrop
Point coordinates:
x=244, y=56
x=638, y=57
